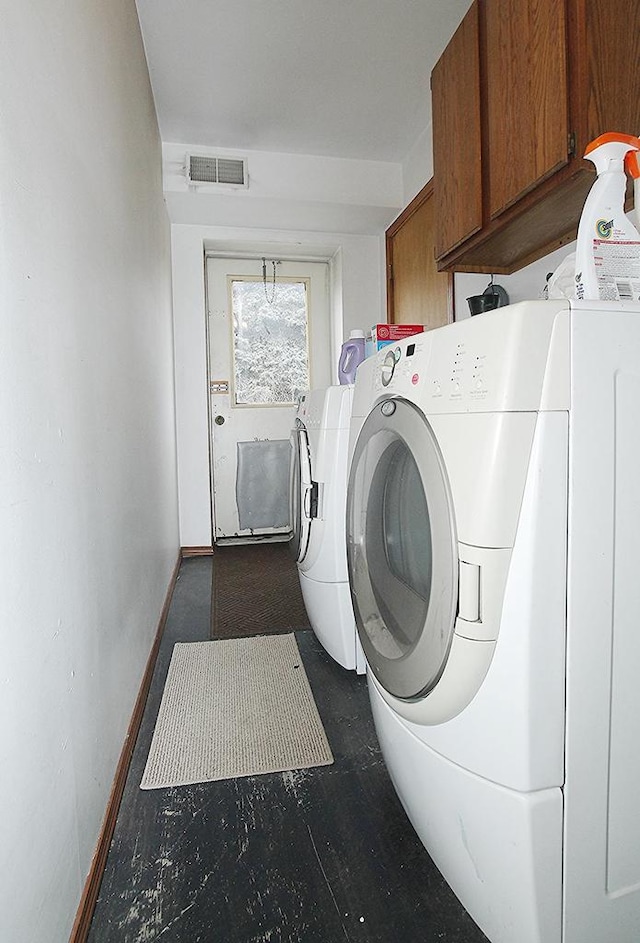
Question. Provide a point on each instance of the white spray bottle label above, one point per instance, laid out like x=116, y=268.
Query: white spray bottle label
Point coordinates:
x=616, y=260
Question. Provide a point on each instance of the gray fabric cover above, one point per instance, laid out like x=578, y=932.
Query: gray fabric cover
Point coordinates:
x=262, y=484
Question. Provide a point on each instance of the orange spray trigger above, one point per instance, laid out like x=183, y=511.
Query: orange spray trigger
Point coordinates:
x=632, y=164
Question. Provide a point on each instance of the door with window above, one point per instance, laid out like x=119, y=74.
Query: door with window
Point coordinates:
x=268, y=340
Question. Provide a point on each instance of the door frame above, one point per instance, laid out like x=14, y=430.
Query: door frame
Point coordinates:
x=256, y=255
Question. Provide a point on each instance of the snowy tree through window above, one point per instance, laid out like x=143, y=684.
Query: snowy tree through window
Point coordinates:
x=270, y=340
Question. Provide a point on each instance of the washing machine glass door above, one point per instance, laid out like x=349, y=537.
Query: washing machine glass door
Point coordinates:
x=302, y=493
x=402, y=549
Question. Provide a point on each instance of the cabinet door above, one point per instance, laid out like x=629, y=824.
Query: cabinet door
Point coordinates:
x=416, y=292
x=457, y=166
x=525, y=65
x=605, y=45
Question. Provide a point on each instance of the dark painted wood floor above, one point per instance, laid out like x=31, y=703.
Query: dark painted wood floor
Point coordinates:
x=317, y=856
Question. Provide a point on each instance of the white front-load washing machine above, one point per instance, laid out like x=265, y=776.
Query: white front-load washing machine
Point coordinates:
x=319, y=494
x=493, y=518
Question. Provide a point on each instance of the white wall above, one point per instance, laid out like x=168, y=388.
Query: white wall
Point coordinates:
x=288, y=192
x=525, y=285
x=417, y=167
x=357, y=292
x=88, y=510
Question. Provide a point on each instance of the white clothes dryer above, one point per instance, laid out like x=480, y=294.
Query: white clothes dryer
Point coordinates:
x=492, y=524
x=319, y=494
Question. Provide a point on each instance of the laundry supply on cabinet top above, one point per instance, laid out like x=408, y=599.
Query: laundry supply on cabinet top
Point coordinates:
x=608, y=245
x=384, y=334
x=351, y=355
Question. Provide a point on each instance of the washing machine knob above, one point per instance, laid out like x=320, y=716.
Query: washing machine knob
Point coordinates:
x=388, y=367
x=388, y=408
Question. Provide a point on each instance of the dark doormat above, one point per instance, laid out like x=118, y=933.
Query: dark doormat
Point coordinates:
x=256, y=591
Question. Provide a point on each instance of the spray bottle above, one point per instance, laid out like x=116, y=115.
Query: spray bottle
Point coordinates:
x=608, y=245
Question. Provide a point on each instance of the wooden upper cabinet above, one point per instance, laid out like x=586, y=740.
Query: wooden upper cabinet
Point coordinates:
x=605, y=59
x=457, y=161
x=416, y=292
x=554, y=74
x=526, y=113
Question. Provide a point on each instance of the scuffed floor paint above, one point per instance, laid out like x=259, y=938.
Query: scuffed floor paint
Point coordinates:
x=323, y=855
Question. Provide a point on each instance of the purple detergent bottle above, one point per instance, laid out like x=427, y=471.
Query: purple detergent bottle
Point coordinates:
x=351, y=355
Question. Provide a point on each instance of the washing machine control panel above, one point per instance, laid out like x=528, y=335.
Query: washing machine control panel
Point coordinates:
x=399, y=365
x=514, y=358
x=459, y=373
x=462, y=375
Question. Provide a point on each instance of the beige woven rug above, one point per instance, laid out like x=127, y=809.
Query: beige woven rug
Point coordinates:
x=236, y=707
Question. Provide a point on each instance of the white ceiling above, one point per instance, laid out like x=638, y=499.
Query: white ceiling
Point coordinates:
x=339, y=78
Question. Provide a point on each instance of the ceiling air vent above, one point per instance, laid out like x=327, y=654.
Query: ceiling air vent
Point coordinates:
x=216, y=170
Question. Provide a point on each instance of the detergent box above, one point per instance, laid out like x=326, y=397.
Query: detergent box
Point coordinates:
x=383, y=334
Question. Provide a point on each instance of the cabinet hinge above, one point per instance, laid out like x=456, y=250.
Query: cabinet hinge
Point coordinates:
x=571, y=144
x=390, y=271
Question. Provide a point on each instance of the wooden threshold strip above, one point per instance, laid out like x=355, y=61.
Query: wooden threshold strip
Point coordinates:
x=89, y=897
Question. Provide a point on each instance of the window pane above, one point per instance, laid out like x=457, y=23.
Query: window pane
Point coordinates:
x=398, y=548
x=270, y=349
x=407, y=532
